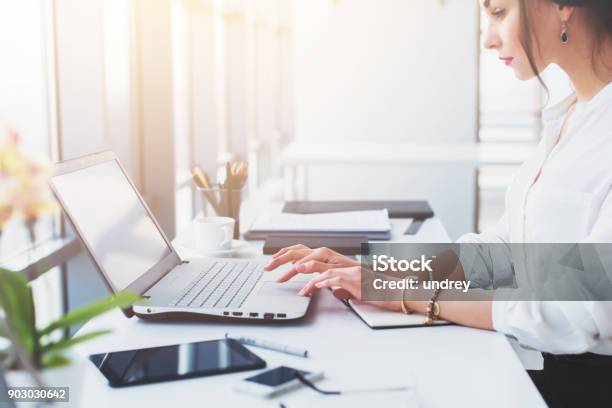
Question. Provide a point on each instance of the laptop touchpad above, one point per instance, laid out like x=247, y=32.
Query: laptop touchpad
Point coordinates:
x=280, y=289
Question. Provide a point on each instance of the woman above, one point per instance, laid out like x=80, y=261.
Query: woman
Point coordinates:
x=561, y=194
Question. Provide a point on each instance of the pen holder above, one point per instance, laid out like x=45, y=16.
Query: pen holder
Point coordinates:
x=222, y=202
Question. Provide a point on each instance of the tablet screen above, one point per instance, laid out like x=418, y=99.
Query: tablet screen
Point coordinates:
x=175, y=362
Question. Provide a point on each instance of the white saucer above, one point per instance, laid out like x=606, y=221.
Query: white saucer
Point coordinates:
x=237, y=245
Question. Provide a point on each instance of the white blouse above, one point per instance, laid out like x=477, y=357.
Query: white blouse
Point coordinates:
x=571, y=201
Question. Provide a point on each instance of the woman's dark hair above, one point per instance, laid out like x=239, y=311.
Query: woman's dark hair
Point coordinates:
x=599, y=12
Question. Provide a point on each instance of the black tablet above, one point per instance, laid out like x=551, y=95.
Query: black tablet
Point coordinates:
x=176, y=362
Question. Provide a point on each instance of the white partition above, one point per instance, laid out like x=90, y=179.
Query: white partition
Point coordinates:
x=387, y=70
x=390, y=72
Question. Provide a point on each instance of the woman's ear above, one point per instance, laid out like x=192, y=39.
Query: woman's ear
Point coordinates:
x=565, y=12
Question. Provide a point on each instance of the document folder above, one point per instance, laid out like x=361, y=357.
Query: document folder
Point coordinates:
x=419, y=210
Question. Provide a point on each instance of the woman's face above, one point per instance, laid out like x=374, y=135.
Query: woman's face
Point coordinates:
x=504, y=34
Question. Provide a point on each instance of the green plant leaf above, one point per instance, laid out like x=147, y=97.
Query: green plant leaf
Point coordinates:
x=67, y=343
x=51, y=360
x=123, y=299
x=18, y=306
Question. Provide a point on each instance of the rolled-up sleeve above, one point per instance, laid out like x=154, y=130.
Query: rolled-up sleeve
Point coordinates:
x=487, y=266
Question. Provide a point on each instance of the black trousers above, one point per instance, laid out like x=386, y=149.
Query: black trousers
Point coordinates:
x=583, y=380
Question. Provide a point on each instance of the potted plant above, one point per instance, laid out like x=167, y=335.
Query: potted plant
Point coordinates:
x=41, y=356
x=34, y=355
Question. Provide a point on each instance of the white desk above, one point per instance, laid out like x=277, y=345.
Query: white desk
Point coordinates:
x=453, y=366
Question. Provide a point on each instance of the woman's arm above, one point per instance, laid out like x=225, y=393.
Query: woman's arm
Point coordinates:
x=338, y=271
x=487, y=257
x=470, y=313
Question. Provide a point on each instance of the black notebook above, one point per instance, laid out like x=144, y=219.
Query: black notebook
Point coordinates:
x=345, y=245
x=263, y=235
x=419, y=210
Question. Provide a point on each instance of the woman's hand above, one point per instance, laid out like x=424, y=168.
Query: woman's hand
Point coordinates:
x=338, y=272
x=345, y=284
x=306, y=260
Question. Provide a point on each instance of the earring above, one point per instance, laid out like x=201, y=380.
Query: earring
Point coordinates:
x=564, y=33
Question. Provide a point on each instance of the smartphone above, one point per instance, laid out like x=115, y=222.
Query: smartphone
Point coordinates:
x=273, y=382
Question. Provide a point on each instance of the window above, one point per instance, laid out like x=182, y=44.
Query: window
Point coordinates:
x=232, y=89
x=27, y=107
x=70, y=75
x=25, y=101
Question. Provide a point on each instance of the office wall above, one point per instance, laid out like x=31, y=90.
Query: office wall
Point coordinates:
x=394, y=70
x=390, y=71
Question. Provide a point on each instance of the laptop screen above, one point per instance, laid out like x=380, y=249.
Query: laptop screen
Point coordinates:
x=111, y=219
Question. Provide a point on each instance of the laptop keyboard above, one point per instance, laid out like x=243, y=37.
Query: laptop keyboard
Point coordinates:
x=224, y=285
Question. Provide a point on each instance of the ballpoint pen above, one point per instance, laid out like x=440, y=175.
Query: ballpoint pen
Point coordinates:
x=250, y=341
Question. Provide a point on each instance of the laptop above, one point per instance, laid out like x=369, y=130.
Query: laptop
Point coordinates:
x=132, y=253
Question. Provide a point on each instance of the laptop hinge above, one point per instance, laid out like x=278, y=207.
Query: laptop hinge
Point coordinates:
x=155, y=274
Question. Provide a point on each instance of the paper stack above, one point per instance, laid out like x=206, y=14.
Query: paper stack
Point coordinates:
x=375, y=224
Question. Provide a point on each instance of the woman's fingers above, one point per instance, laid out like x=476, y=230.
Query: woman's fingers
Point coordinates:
x=319, y=254
x=328, y=283
x=328, y=256
x=289, y=248
x=289, y=256
x=307, y=267
x=347, y=279
x=299, y=254
x=310, y=286
x=298, y=257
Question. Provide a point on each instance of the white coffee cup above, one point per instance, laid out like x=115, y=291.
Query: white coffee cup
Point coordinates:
x=213, y=233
